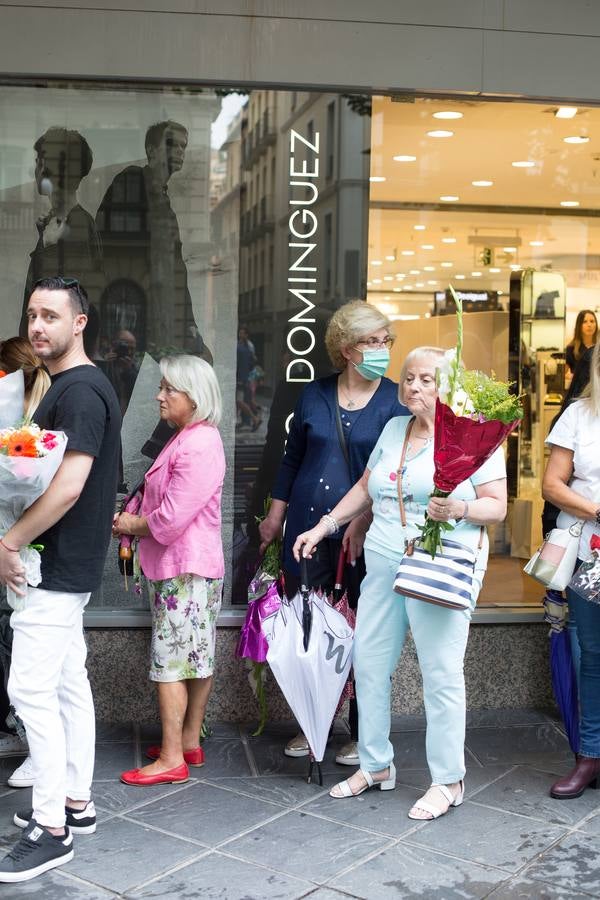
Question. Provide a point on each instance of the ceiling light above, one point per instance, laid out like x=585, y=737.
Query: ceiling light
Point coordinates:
x=391, y=257
x=388, y=278
x=446, y=265
x=376, y=262
x=536, y=243
x=448, y=114
x=515, y=266
x=377, y=281
x=419, y=227
x=566, y=112
x=415, y=272
x=427, y=247
x=377, y=178
x=396, y=290
x=476, y=274
x=408, y=253
x=400, y=275
x=482, y=183
x=419, y=284
x=494, y=270
x=448, y=240
x=440, y=134
x=569, y=202
x=404, y=157
x=576, y=139
x=523, y=164
x=368, y=284
x=510, y=249
x=449, y=198
x=408, y=287
x=429, y=268
x=433, y=281
x=461, y=277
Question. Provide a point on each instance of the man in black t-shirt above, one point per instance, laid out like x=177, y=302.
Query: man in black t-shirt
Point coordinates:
x=48, y=682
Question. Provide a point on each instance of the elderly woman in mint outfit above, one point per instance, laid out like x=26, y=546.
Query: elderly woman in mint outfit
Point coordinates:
x=181, y=556
x=314, y=474
x=440, y=634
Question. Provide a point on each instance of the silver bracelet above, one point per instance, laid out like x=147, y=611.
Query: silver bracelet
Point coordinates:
x=331, y=523
x=465, y=513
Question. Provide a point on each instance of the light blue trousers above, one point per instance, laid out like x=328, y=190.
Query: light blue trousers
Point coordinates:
x=440, y=636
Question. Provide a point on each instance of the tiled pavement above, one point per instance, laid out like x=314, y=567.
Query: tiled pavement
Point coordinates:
x=247, y=825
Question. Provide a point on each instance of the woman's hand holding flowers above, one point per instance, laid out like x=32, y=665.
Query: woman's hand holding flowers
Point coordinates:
x=445, y=509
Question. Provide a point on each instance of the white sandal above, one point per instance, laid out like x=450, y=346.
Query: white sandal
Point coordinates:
x=387, y=784
x=435, y=811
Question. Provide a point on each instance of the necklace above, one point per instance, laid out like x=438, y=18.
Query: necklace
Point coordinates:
x=352, y=401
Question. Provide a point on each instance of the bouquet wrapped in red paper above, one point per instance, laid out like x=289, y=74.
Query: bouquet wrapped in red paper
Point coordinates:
x=474, y=414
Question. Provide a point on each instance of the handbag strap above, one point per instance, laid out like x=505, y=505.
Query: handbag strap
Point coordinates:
x=400, y=470
x=340, y=432
x=399, y=473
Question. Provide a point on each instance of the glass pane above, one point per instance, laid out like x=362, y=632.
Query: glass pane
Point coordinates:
x=501, y=200
x=185, y=212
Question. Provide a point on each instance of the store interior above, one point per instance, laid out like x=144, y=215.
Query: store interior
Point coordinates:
x=501, y=200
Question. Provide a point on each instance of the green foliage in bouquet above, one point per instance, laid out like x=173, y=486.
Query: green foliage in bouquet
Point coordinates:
x=490, y=398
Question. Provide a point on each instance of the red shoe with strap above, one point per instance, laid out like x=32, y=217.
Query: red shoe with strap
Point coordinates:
x=193, y=757
x=171, y=776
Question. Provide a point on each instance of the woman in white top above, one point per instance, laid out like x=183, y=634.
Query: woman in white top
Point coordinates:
x=440, y=634
x=572, y=482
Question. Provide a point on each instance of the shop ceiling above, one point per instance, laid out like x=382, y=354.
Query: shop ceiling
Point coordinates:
x=544, y=212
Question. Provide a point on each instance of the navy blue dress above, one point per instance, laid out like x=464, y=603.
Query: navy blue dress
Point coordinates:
x=308, y=475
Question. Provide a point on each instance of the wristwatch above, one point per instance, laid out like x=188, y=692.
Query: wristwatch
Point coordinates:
x=597, y=514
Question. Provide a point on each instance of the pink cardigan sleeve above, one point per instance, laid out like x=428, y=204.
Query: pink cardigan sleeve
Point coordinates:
x=196, y=476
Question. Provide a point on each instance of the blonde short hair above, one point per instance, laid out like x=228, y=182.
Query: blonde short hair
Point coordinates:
x=196, y=378
x=438, y=352
x=350, y=323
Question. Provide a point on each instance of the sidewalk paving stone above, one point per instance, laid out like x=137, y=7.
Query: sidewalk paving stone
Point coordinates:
x=506, y=840
x=527, y=791
x=247, y=826
x=573, y=863
x=406, y=871
x=206, y=813
x=306, y=846
x=219, y=876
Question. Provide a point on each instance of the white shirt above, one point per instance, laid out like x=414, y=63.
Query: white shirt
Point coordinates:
x=578, y=429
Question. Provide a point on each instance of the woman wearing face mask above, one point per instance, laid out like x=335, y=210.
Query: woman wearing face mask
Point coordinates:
x=317, y=469
x=403, y=461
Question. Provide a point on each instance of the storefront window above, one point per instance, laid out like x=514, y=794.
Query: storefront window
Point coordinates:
x=224, y=224
x=501, y=200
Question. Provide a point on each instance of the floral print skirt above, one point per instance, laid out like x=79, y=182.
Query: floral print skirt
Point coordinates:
x=184, y=625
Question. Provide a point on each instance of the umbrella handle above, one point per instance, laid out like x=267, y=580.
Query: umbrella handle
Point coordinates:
x=304, y=584
x=339, y=575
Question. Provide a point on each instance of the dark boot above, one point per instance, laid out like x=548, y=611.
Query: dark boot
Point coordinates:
x=585, y=774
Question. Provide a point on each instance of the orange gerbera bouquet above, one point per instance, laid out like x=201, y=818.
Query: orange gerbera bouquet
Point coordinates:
x=29, y=459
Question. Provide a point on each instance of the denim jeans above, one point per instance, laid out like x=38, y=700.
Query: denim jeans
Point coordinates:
x=586, y=618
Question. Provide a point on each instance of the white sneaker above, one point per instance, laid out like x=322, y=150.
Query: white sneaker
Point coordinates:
x=23, y=776
x=12, y=745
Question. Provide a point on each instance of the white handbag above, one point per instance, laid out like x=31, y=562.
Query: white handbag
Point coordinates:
x=554, y=563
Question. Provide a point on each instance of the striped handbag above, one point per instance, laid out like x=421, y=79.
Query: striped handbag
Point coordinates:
x=447, y=579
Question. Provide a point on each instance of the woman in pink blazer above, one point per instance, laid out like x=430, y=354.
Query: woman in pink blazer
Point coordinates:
x=181, y=556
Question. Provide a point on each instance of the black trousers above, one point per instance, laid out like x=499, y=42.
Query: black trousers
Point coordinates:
x=321, y=574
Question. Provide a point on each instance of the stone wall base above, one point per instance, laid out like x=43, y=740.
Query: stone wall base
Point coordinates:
x=506, y=667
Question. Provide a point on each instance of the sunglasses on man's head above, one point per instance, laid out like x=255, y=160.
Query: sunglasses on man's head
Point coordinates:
x=64, y=284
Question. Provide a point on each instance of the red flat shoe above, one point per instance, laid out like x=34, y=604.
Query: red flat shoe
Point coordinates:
x=193, y=757
x=171, y=776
